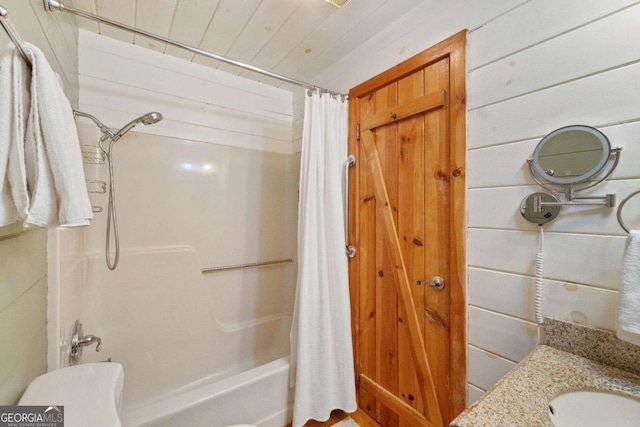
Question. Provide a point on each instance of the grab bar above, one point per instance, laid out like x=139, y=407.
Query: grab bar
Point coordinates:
x=351, y=161
x=238, y=266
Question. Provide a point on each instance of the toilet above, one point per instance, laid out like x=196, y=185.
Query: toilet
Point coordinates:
x=91, y=393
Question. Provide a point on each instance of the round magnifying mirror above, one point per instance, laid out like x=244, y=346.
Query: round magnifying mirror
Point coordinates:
x=571, y=155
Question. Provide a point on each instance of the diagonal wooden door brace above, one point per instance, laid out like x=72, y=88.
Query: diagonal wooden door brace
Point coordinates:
x=405, y=297
x=394, y=403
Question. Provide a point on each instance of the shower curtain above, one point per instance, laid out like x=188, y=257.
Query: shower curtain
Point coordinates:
x=321, y=347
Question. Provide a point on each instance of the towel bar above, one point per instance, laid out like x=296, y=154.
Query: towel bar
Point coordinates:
x=15, y=234
x=13, y=34
x=619, y=213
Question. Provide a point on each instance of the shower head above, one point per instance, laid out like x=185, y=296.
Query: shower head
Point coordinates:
x=145, y=120
x=151, y=118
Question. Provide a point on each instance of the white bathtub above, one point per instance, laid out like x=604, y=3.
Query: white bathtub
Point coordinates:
x=260, y=396
x=188, y=361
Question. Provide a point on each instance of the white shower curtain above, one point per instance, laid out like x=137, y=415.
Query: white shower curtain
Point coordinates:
x=321, y=347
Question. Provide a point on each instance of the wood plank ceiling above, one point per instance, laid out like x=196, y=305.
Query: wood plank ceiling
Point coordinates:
x=295, y=38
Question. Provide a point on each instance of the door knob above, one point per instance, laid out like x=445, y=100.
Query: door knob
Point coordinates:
x=436, y=283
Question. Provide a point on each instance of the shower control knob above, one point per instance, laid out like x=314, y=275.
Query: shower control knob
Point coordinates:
x=436, y=283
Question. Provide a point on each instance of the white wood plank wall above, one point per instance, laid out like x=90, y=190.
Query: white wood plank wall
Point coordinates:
x=533, y=66
x=539, y=67
x=121, y=81
x=54, y=33
x=23, y=311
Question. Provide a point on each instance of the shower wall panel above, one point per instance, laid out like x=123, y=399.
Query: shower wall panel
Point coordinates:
x=183, y=206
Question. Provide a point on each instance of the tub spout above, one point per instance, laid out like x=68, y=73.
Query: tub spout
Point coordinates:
x=90, y=339
x=80, y=340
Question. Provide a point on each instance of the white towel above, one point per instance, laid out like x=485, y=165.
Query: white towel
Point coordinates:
x=55, y=176
x=14, y=105
x=629, y=292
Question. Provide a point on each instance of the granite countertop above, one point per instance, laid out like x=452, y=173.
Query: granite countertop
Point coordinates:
x=522, y=397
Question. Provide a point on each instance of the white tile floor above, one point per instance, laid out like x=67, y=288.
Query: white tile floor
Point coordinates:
x=347, y=422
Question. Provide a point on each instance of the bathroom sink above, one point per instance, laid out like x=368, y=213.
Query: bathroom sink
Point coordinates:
x=590, y=407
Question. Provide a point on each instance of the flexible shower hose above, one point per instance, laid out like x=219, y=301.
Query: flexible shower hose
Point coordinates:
x=112, y=216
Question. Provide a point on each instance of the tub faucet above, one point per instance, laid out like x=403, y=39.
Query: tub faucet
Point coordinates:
x=79, y=340
x=90, y=339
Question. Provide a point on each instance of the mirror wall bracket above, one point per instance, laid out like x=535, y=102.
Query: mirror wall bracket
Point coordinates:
x=539, y=209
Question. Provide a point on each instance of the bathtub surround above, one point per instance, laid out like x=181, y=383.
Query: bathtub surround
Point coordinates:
x=321, y=347
x=220, y=183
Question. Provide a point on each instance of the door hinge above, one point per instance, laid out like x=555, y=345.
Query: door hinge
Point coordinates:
x=358, y=371
x=357, y=131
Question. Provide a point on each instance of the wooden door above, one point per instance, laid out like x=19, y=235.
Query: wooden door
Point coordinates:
x=407, y=129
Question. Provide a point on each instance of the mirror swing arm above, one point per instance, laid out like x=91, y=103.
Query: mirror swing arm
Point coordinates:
x=608, y=200
x=569, y=160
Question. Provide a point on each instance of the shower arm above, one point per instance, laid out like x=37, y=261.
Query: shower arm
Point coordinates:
x=58, y=6
x=105, y=130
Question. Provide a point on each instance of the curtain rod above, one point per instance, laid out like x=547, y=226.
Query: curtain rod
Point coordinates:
x=57, y=6
x=13, y=34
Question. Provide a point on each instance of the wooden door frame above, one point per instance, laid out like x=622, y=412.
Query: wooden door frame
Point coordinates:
x=453, y=48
